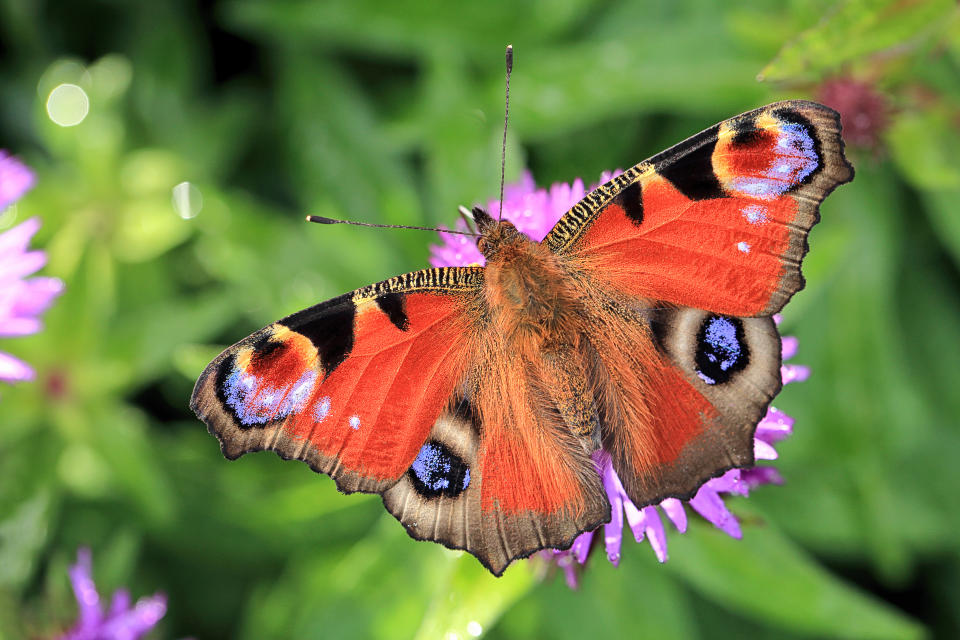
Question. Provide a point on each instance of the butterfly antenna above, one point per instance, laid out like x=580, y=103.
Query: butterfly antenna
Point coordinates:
x=324, y=220
x=506, y=115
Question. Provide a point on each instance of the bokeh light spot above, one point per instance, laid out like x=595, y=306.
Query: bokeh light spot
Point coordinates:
x=68, y=105
x=187, y=200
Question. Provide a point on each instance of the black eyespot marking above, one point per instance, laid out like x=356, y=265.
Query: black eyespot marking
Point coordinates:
x=631, y=199
x=745, y=131
x=392, y=304
x=692, y=173
x=437, y=471
x=220, y=384
x=329, y=326
x=721, y=349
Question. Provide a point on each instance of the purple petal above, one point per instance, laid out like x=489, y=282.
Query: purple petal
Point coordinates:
x=655, y=533
x=37, y=295
x=581, y=546
x=677, y=514
x=709, y=505
x=119, y=603
x=761, y=475
x=14, y=370
x=88, y=600
x=134, y=623
x=788, y=347
x=13, y=327
x=15, y=179
x=18, y=265
x=636, y=520
x=565, y=562
x=794, y=373
x=17, y=239
x=729, y=482
x=613, y=530
x=775, y=426
x=763, y=451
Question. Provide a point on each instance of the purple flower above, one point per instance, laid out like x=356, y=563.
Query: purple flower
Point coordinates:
x=864, y=110
x=15, y=179
x=120, y=621
x=535, y=211
x=22, y=299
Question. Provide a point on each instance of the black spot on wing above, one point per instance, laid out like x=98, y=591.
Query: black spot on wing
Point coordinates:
x=264, y=350
x=631, y=199
x=745, y=130
x=220, y=384
x=689, y=166
x=438, y=471
x=329, y=326
x=392, y=304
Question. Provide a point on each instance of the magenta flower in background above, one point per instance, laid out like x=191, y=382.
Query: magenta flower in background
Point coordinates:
x=864, y=110
x=534, y=212
x=22, y=299
x=15, y=179
x=120, y=621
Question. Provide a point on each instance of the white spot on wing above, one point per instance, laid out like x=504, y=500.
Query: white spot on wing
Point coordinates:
x=755, y=213
x=354, y=422
x=323, y=408
x=744, y=247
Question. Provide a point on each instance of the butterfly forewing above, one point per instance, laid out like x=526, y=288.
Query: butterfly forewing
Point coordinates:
x=351, y=386
x=718, y=222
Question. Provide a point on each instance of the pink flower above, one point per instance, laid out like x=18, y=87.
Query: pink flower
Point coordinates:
x=864, y=111
x=15, y=179
x=120, y=621
x=22, y=299
x=534, y=212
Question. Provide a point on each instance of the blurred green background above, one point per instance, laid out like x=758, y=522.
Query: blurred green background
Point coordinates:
x=392, y=112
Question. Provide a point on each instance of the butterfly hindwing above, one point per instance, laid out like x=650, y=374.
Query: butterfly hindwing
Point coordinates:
x=705, y=381
x=719, y=221
x=351, y=386
x=475, y=487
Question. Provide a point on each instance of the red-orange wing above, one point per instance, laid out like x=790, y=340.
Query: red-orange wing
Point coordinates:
x=718, y=222
x=351, y=386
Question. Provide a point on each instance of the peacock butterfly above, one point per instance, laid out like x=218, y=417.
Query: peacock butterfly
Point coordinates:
x=471, y=398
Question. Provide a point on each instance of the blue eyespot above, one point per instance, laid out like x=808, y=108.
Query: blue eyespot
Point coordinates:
x=721, y=349
x=438, y=471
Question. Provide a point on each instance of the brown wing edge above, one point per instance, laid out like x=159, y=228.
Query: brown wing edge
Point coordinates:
x=836, y=170
x=459, y=523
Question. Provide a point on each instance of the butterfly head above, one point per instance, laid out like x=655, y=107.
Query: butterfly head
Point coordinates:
x=494, y=234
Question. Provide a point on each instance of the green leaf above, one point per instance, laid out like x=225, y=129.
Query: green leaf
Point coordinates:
x=765, y=576
x=23, y=534
x=467, y=600
x=855, y=29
